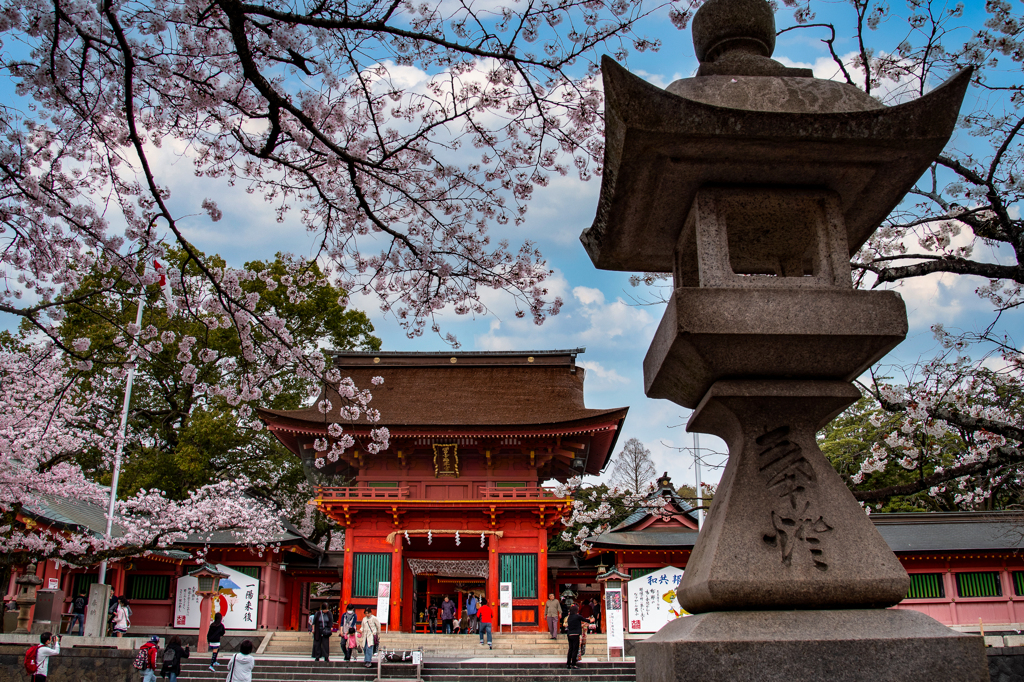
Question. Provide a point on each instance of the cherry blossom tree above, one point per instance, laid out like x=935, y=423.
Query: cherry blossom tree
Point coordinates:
x=598, y=507
x=945, y=431
x=304, y=106
x=46, y=422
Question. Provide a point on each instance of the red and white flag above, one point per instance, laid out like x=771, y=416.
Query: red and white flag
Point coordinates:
x=165, y=286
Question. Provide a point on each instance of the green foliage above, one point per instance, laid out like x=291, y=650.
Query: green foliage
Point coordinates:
x=180, y=436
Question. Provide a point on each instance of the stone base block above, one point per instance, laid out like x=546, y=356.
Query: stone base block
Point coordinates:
x=877, y=645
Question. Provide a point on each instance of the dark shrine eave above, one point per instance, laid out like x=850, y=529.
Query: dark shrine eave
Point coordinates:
x=661, y=144
x=463, y=394
x=607, y=423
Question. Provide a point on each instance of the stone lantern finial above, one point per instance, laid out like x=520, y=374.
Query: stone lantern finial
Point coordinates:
x=721, y=26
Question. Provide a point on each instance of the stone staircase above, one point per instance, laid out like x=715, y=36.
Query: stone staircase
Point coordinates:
x=505, y=645
x=275, y=670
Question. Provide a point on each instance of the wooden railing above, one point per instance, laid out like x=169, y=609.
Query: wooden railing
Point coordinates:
x=402, y=492
x=361, y=493
x=517, y=493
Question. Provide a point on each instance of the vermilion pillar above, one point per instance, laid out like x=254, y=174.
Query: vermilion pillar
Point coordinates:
x=493, y=577
x=346, y=578
x=396, y=585
x=542, y=575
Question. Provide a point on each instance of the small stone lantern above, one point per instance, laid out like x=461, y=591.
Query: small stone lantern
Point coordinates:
x=209, y=586
x=27, y=586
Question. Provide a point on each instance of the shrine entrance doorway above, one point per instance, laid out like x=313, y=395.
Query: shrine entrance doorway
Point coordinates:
x=434, y=579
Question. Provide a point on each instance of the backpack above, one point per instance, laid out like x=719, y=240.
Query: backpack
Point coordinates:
x=141, y=661
x=170, y=657
x=31, y=662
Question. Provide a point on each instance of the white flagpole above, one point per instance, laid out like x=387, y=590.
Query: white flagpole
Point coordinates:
x=696, y=464
x=121, y=436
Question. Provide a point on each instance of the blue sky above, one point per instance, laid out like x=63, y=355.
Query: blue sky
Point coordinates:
x=600, y=313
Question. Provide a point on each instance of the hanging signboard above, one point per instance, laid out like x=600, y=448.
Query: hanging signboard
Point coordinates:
x=613, y=616
x=236, y=601
x=652, y=600
x=383, y=602
x=505, y=605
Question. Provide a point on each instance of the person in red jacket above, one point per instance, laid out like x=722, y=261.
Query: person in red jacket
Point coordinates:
x=151, y=648
x=485, y=616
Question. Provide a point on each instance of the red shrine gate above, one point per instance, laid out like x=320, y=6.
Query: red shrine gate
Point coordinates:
x=456, y=505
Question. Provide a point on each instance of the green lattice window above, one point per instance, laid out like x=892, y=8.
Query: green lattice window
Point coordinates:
x=382, y=484
x=510, y=484
x=926, y=586
x=981, y=584
x=251, y=571
x=368, y=569
x=83, y=581
x=635, y=573
x=521, y=571
x=141, y=586
x=1018, y=583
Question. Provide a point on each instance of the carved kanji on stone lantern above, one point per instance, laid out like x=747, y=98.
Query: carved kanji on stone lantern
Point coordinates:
x=753, y=184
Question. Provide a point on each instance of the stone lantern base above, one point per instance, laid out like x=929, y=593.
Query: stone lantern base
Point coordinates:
x=869, y=645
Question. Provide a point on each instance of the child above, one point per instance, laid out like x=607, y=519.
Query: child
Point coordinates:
x=351, y=643
x=213, y=636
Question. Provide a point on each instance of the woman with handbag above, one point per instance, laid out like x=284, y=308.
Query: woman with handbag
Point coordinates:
x=370, y=636
x=241, y=664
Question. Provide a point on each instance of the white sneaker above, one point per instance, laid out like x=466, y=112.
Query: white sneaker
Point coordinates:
x=212, y=669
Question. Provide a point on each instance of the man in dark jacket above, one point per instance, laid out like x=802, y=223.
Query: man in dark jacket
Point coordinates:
x=78, y=614
x=323, y=626
x=432, y=618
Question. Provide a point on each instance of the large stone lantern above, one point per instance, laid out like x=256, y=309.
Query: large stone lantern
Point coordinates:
x=753, y=184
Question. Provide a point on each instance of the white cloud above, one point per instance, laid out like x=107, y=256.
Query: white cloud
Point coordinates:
x=601, y=378
x=588, y=295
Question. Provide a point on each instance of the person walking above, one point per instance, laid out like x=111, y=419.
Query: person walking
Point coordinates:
x=241, y=664
x=78, y=614
x=484, y=617
x=447, y=614
x=595, y=610
x=553, y=614
x=432, y=618
x=573, y=629
x=48, y=646
x=173, y=654
x=471, y=606
x=151, y=649
x=370, y=636
x=122, y=617
x=323, y=626
x=348, y=623
x=464, y=623
x=213, y=636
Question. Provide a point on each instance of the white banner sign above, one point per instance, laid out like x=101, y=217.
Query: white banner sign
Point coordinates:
x=237, y=601
x=652, y=600
x=383, y=602
x=505, y=604
x=613, y=616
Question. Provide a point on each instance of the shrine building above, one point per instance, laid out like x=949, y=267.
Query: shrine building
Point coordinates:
x=457, y=502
